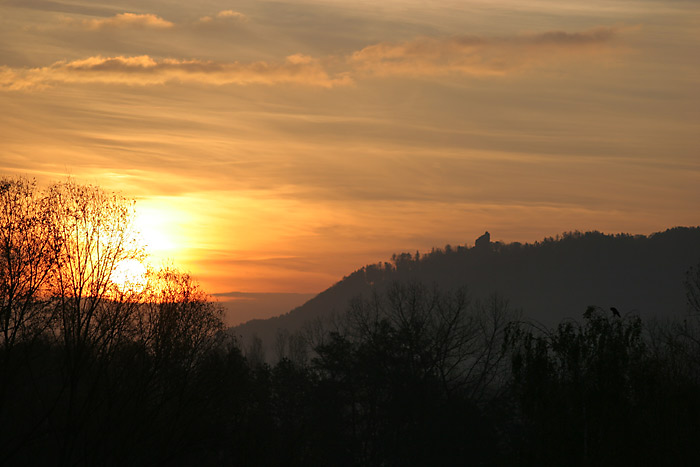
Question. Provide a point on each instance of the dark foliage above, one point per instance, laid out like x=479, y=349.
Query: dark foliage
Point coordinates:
x=603, y=391
x=596, y=394
x=412, y=375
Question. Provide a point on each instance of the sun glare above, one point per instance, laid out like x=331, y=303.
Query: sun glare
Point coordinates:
x=159, y=227
x=130, y=275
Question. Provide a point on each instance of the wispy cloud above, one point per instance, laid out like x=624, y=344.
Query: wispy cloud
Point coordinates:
x=480, y=56
x=123, y=21
x=144, y=70
x=223, y=17
x=48, y=5
x=423, y=56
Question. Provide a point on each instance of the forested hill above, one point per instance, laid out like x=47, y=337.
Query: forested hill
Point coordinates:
x=550, y=280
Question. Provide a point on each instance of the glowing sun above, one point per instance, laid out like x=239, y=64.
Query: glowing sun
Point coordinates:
x=129, y=275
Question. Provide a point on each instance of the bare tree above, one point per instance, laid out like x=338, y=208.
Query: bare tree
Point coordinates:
x=440, y=332
x=298, y=349
x=60, y=250
x=26, y=261
x=92, y=233
x=178, y=321
x=281, y=345
x=692, y=287
x=25, y=265
x=255, y=352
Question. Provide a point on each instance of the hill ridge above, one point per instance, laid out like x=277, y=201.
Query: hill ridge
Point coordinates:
x=550, y=280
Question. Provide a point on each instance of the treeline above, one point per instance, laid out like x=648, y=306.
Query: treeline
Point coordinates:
x=580, y=255
x=419, y=376
x=98, y=372
x=416, y=376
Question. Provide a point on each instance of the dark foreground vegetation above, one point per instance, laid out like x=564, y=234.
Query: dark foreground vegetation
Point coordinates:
x=92, y=373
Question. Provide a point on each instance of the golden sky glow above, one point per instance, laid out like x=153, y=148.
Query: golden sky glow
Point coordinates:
x=274, y=146
x=130, y=275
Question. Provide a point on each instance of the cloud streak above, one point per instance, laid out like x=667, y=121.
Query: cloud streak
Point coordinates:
x=144, y=70
x=125, y=21
x=48, y=5
x=479, y=56
x=223, y=17
x=423, y=56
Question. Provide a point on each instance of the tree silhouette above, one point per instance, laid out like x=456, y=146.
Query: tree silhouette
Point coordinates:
x=595, y=394
x=26, y=261
x=412, y=368
x=77, y=346
x=692, y=287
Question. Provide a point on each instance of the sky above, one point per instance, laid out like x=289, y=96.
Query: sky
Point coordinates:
x=276, y=146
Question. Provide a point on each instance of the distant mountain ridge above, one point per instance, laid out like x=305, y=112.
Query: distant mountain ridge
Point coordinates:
x=240, y=307
x=550, y=280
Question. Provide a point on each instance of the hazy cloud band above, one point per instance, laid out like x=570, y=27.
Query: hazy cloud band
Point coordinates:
x=423, y=56
x=144, y=70
x=125, y=20
x=472, y=55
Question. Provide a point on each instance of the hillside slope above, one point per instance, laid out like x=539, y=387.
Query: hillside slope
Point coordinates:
x=550, y=280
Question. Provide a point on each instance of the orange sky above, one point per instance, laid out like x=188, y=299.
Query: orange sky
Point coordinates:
x=277, y=146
